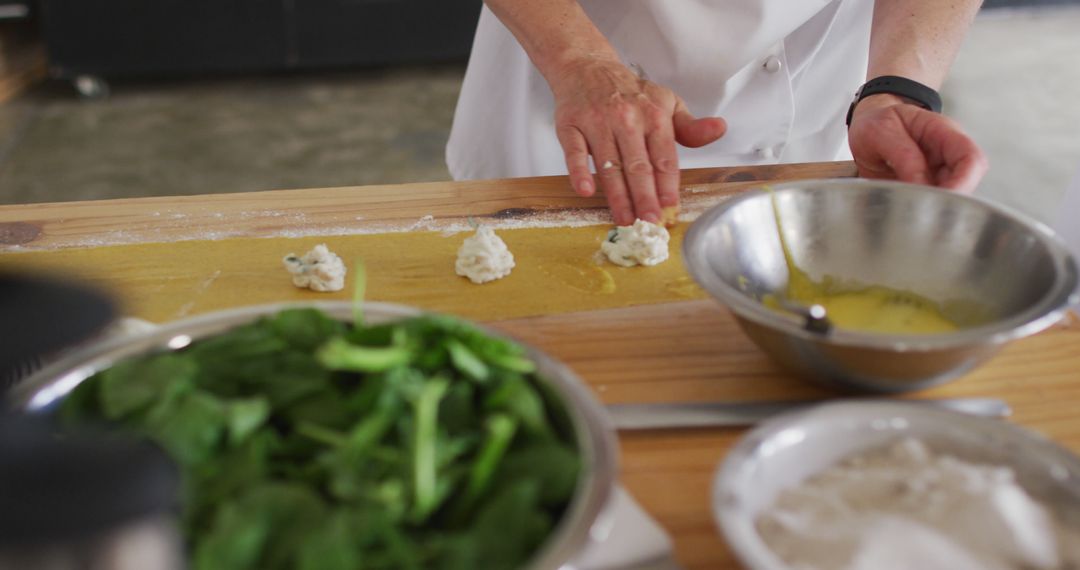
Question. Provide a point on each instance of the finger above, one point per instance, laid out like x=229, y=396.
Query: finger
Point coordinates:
x=660, y=143
x=638, y=173
x=693, y=132
x=960, y=163
x=908, y=163
x=576, y=151
x=897, y=156
x=965, y=175
x=605, y=155
x=630, y=129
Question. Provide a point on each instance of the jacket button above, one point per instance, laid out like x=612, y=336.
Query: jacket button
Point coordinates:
x=765, y=153
x=772, y=64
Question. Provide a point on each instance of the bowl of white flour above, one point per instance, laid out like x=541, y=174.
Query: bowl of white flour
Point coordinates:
x=882, y=485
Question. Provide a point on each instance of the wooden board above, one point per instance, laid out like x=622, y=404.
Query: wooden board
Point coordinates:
x=690, y=350
x=343, y=211
x=695, y=351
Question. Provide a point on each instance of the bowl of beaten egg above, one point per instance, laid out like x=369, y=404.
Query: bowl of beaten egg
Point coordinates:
x=919, y=285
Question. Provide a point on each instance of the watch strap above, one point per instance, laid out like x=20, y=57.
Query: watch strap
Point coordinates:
x=916, y=92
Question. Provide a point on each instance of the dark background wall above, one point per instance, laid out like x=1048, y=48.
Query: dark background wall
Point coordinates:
x=137, y=37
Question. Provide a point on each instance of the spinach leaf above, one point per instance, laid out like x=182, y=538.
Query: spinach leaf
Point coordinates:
x=236, y=541
x=515, y=396
x=214, y=483
x=507, y=530
x=323, y=408
x=305, y=443
x=194, y=429
x=262, y=529
x=457, y=412
x=332, y=546
x=554, y=466
x=134, y=385
x=305, y=328
x=246, y=416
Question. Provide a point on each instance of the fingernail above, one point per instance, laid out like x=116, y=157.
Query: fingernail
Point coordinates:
x=651, y=217
x=585, y=187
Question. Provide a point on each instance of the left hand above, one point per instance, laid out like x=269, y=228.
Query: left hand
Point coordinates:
x=893, y=139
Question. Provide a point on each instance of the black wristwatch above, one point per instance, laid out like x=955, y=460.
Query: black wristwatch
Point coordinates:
x=916, y=92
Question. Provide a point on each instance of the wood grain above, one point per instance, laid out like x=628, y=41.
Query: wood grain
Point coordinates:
x=338, y=211
x=695, y=351
x=691, y=350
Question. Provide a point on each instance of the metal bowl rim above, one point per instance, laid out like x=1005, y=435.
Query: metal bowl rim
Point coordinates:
x=1049, y=309
x=594, y=431
x=741, y=534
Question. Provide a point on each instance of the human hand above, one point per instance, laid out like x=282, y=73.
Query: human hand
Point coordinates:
x=893, y=139
x=630, y=126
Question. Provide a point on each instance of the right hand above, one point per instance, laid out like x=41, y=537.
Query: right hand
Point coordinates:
x=630, y=126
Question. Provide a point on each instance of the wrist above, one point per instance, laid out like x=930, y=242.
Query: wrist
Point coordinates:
x=878, y=101
x=565, y=72
x=900, y=90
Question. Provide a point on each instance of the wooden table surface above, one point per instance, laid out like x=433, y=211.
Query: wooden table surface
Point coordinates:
x=654, y=349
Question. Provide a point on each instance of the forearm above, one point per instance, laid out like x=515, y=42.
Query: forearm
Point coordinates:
x=556, y=34
x=918, y=39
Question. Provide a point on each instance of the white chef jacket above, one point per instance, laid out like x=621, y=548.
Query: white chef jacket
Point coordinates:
x=780, y=72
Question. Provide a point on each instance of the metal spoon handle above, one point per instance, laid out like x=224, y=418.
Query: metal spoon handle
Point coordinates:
x=741, y=414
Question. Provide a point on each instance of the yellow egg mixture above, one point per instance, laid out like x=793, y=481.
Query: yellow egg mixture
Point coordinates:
x=872, y=308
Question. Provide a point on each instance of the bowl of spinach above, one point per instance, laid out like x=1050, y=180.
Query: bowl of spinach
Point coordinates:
x=352, y=436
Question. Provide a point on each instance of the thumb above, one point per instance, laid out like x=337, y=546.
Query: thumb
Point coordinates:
x=693, y=132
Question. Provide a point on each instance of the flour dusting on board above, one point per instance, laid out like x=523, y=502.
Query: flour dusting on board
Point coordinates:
x=196, y=293
x=170, y=226
x=424, y=223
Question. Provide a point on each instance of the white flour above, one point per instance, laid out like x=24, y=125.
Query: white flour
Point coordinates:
x=907, y=507
x=201, y=223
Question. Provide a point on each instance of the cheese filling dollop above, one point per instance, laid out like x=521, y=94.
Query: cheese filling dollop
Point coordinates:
x=484, y=257
x=319, y=269
x=643, y=243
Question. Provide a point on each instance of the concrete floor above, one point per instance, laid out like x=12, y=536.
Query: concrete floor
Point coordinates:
x=180, y=137
x=1014, y=87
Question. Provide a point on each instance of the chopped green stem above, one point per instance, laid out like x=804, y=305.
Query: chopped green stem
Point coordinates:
x=321, y=434
x=359, y=288
x=369, y=431
x=426, y=438
x=339, y=354
x=520, y=364
x=500, y=430
x=466, y=361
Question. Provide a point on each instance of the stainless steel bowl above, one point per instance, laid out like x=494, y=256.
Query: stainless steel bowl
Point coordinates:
x=791, y=448
x=585, y=518
x=999, y=275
